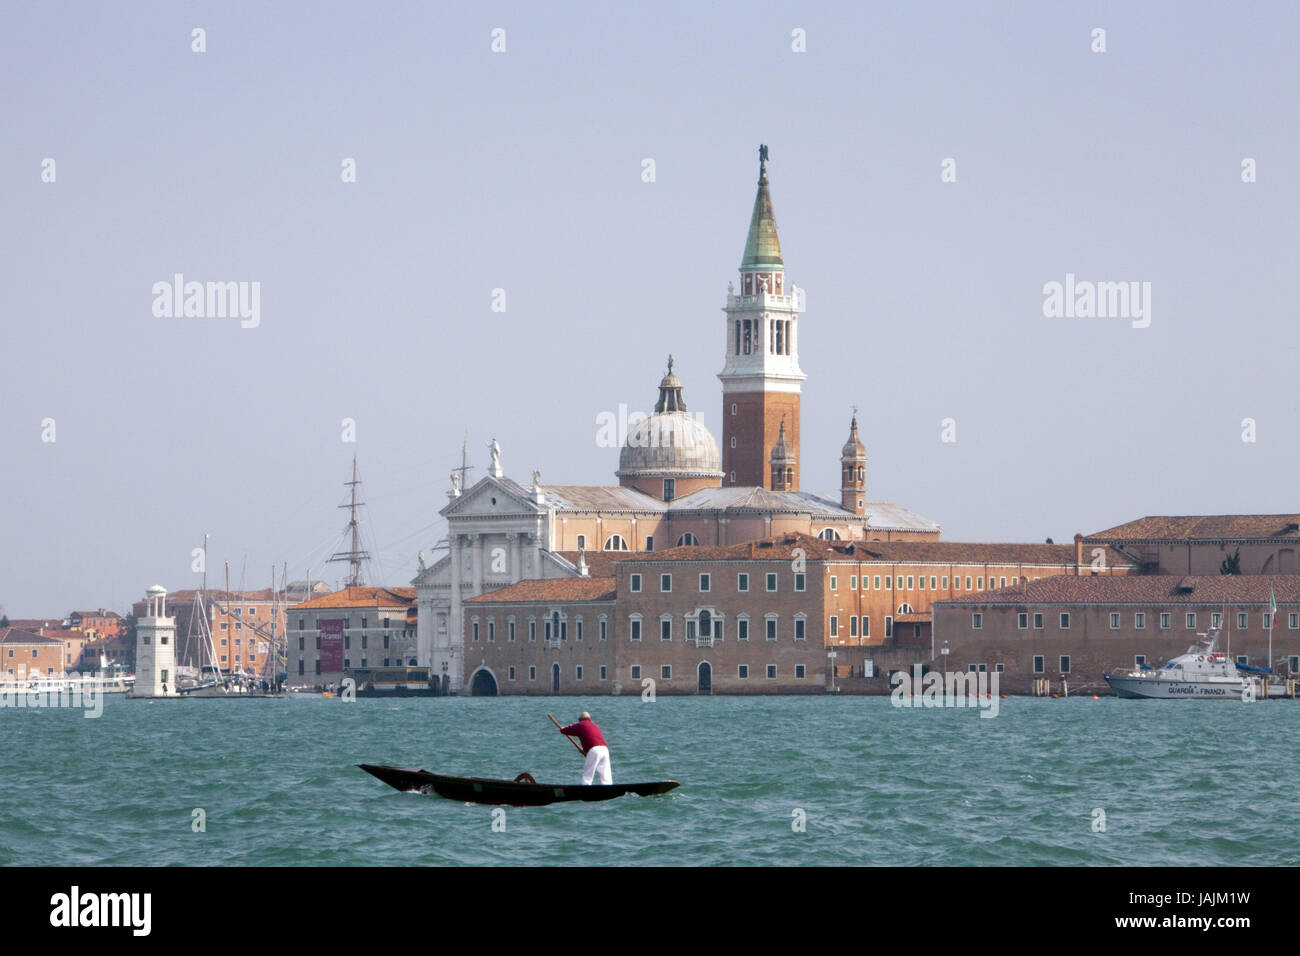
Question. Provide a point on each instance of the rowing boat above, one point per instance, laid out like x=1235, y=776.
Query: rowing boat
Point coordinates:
x=523, y=791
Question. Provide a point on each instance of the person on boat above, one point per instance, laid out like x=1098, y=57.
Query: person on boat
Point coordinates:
x=593, y=746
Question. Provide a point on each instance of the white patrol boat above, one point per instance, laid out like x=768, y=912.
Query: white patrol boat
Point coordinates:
x=1203, y=672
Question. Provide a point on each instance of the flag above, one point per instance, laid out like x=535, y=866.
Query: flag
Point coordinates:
x=1272, y=611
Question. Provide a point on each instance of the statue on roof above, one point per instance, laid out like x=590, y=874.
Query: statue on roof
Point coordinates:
x=495, y=450
x=670, y=365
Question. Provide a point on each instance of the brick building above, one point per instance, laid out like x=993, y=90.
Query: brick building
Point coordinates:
x=26, y=655
x=365, y=626
x=96, y=625
x=1080, y=628
x=245, y=627
x=1200, y=544
x=753, y=618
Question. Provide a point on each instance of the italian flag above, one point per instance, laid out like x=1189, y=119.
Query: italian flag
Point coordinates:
x=1272, y=600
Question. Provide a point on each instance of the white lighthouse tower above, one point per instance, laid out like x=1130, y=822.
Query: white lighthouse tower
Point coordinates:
x=155, y=649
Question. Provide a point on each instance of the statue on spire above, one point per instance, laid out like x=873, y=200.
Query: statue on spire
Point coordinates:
x=670, y=365
x=762, y=161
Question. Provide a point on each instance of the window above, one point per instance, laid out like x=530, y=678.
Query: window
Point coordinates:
x=977, y=621
x=1293, y=621
x=578, y=634
x=1191, y=620
x=979, y=584
x=968, y=582
x=1139, y=620
x=1065, y=663
x=1022, y=620
x=665, y=583
x=733, y=441
x=866, y=626
x=1243, y=659
x=1038, y=663
x=742, y=629
x=532, y=673
x=771, y=628
x=1164, y=620
x=687, y=539
x=670, y=489
x=798, y=671
x=829, y=534
x=889, y=583
x=1267, y=622
x=742, y=671
x=604, y=628
x=853, y=627
x=835, y=582
x=1002, y=582
x=910, y=585
x=1065, y=620
x=1114, y=620
x=634, y=628
x=771, y=672
x=473, y=626
x=1139, y=660
x=604, y=672
x=853, y=582
x=666, y=671
x=582, y=542
x=801, y=582
x=615, y=542
x=510, y=629
x=801, y=629
x=921, y=581
x=1000, y=668
x=511, y=672
x=665, y=629
x=705, y=583
x=834, y=626
x=492, y=632
x=889, y=626
x=771, y=582
x=1241, y=622
x=532, y=628
x=943, y=582
x=634, y=583
x=577, y=672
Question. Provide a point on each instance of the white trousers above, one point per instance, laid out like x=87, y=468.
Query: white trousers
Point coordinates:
x=597, y=762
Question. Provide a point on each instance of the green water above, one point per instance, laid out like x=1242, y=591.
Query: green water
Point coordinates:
x=1184, y=782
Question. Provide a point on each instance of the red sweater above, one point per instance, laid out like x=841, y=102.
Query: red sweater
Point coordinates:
x=587, y=732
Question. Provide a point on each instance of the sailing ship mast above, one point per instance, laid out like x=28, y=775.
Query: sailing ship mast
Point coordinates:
x=355, y=556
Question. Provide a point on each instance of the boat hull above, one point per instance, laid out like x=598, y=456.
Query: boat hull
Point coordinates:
x=508, y=793
x=1151, y=688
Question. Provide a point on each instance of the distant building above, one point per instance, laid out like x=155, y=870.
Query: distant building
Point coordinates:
x=243, y=624
x=26, y=655
x=364, y=626
x=1079, y=628
x=98, y=624
x=753, y=618
x=1199, y=544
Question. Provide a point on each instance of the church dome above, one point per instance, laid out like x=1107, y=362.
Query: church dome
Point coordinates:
x=671, y=443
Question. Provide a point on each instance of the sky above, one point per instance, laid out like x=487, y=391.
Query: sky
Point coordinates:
x=127, y=435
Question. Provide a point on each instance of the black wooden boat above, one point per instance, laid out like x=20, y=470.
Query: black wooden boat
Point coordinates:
x=523, y=791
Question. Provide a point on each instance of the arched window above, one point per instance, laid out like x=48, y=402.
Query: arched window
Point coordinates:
x=615, y=542
x=904, y=608
x=687, y=539
x=829, y=534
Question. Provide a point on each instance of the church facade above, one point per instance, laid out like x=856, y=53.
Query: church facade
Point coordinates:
x=676, y=487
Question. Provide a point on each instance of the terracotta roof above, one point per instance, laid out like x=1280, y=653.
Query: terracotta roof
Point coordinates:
x=917, y=618
x=16, y=635
x=1202, y=527
x=600, y=564
x=1141, y=589
x=550, y=589
x=782, y=548
x=367, y=596
x=99, y=613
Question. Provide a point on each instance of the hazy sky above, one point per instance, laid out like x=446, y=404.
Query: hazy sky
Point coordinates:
x=522, y=171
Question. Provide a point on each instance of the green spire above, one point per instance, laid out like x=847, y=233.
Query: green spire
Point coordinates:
x=762, y=247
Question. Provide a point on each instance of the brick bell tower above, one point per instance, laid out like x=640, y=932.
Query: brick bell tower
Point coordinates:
x=761, y=379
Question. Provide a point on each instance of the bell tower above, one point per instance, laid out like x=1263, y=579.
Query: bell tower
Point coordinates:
x=761, y=379
x=853, y=472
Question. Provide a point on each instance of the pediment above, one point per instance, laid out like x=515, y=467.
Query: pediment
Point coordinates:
x=491, y=497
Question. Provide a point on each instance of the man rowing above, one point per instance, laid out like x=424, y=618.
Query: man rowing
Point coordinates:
x=593, y=746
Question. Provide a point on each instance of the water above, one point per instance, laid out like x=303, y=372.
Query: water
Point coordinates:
x=1182, y=783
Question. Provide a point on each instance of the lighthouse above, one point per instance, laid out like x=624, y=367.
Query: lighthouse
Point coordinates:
x=155, y=648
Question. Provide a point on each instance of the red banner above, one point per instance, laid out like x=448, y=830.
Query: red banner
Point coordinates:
x=331, y=646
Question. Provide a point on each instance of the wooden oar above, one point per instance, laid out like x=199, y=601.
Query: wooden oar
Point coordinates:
x=566, y=736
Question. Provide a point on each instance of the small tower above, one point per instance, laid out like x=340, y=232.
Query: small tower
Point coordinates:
x=155, y=648
x=853, y=472
x=783, y=463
